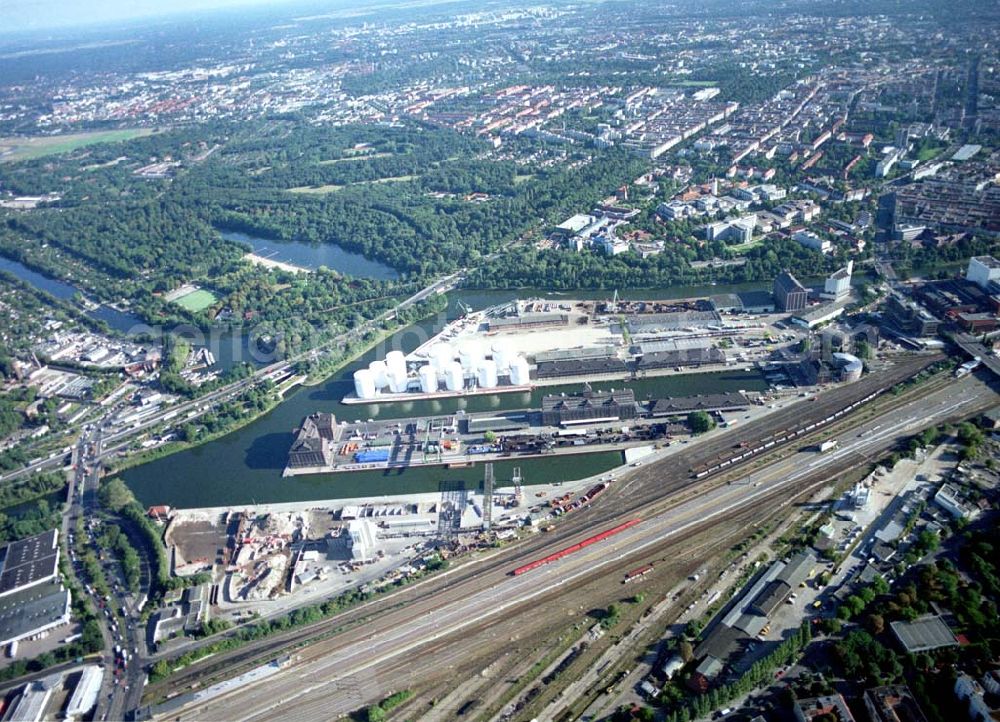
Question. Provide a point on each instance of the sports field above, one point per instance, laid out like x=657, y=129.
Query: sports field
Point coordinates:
x=196, y=300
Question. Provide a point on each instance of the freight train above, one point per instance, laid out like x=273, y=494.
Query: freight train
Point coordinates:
x=574, y=548
x=746, y=449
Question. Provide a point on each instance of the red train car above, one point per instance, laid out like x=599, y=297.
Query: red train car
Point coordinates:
x=575, y=547
x=637, y=574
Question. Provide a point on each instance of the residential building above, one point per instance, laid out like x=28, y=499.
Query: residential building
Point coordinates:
x=831, y=708
x=811, y=240
x=971, y=692
x=893, y=703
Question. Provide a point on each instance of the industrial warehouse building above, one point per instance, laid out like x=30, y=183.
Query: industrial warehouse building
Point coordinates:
x=671, y=321
x=560, y=410
x=581, y=367
x=504, y=422
x=685, y=357
x=681, y=405
x=748, y=615
x=527, y=321
x=32, y=597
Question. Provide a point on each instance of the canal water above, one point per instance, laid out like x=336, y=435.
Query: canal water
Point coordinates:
x=118, y=320
x=314, y=255
x=245, y=466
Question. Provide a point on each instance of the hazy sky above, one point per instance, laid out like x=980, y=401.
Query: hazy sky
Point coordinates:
x=19, y=15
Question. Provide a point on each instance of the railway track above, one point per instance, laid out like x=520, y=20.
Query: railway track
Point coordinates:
x=325, y=664
x=654, y=488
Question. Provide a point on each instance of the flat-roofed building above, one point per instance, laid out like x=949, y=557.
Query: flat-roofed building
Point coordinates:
x=831, y=707
x=505, y=422
x=982, y=270
x=893, y=703
x=361, y=537
x=30, y=705
x=33, y=610
x=85, y=694
x=28, y=562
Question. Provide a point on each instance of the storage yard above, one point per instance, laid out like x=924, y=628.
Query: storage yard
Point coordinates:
x=524, y=344
x=589, y=421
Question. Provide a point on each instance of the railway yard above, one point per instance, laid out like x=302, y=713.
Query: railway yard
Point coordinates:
x=670, y=512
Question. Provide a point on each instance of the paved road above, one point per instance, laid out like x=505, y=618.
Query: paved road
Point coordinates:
x=304, y=690
x=971, y=345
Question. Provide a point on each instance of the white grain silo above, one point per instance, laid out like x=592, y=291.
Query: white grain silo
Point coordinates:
x=519, y=375
x=428, y=379
x=364, y=384
x=442, y=354
x=379, y=370
x=454, y=380
x=470, y=356
x=395, y=361
x=397, y=380
x=502, y=356
x=487, y=374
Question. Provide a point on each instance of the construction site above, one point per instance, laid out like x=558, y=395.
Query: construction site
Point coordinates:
x=265, y=559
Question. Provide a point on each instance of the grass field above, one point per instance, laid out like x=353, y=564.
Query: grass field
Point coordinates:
x=354, y=158
x=318, y=190
x=16, y=148
x=321, y=190
x=196, y=300
x=694, y=83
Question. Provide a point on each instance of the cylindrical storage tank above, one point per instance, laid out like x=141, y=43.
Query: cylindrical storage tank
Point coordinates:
x=364, y=384
x=502, y=356
x=397, y=380
x=519, y=375
x=487, y=374
x=379, y=370
x=441, y=355
x=428, y=379
x=470, y=355
x=454, y=379
x=395, y=361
